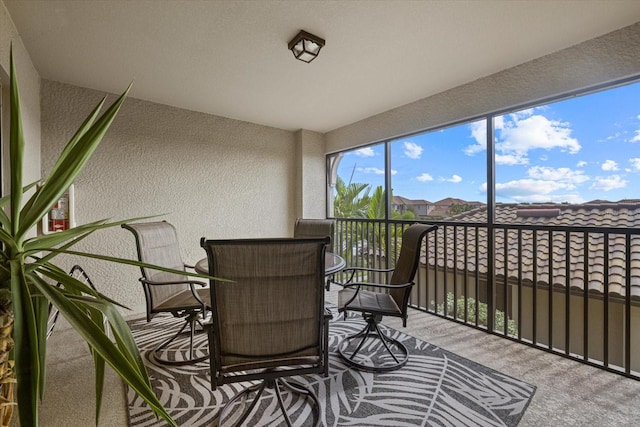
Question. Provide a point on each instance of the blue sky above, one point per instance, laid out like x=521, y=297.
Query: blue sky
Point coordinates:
x=575, y=150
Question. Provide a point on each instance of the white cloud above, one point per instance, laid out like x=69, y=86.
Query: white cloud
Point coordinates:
x=609, y=165
x=376, y=171
x=522, y=114
x=425, y=177
x=535, y=191
x=454, y=179
x=636, y=138
x=635, y=162
x=608, y=183
x=536, y=132
x=564, y=175
x=544, y=184
x=412, y=150
x=581, y=164
x=365, y=152
x=528, y=187
x=479, y=133
x=616, y=135
x=511, y=159
x=521, y=132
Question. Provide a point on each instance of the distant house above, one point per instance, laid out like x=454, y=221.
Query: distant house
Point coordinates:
x=424, y=209
x=420, y=208
x=528, y=261
x=450, y=206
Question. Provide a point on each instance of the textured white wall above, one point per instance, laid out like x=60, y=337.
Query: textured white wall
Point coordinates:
x=310, y=181
x=603, y=59
x=210, y=176
x=29, y=83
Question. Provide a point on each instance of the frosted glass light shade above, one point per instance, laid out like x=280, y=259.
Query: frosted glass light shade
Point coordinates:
x=305, y=46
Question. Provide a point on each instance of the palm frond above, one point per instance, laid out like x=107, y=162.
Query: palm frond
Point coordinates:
x=16, y=148
x=27, y=358
x=123, y=356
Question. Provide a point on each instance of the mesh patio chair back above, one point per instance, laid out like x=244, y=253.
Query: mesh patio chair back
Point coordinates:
x=157, y=244
x=269, y=324
x=407, y=262
x=305, y=228
x=273, y=312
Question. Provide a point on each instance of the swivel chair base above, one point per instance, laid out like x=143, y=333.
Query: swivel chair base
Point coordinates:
x=228, y=410
x=191, y=320
x=390, y=356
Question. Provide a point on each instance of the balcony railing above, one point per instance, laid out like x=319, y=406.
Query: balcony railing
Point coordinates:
x=572, y=291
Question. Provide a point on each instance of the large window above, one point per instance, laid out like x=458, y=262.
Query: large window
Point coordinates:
x=573, y=151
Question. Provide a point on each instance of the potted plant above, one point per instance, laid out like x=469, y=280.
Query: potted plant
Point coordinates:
x=28, y=276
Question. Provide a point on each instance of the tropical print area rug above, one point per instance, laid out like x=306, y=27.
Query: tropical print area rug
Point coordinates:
x=434, y=388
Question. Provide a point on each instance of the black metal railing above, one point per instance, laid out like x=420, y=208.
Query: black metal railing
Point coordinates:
x=571, y=291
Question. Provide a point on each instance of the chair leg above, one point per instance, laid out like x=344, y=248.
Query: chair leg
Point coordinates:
x=191, y=321
x=325, y=345
x=275, y=384
x=287, y=420
x=258, y=388
x=373, y=362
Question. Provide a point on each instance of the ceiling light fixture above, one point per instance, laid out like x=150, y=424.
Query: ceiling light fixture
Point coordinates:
x=305, y=46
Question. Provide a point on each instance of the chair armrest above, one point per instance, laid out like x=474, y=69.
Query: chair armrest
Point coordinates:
x=191, y=284
x=375, y=285
x=375, y=270
x=378, y=285
x=175, y=282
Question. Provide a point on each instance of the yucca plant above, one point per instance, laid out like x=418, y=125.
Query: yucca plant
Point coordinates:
x=28, y=276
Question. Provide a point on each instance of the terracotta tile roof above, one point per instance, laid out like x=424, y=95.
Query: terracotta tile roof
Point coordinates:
x=440, y=211
x=624, y=214
x=451, y=201
x=399, y=200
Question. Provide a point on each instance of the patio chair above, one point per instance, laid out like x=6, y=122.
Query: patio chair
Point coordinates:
x=270, y=323
x=376, y=300
x=305, y=227
x=157, y=244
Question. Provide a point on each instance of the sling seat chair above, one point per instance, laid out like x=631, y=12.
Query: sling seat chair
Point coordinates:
x=307, y=227
x=376, y=300
x=268, y=324
x=157, y=244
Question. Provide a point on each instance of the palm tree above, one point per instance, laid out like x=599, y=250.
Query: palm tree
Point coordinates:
x=352, y=200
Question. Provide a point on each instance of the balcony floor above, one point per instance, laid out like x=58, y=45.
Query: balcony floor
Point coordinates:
x=568, y=393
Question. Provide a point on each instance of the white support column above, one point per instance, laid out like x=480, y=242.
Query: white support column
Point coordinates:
x=310, y=175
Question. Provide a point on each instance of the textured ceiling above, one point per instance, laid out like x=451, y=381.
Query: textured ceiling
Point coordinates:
x=230, y=58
